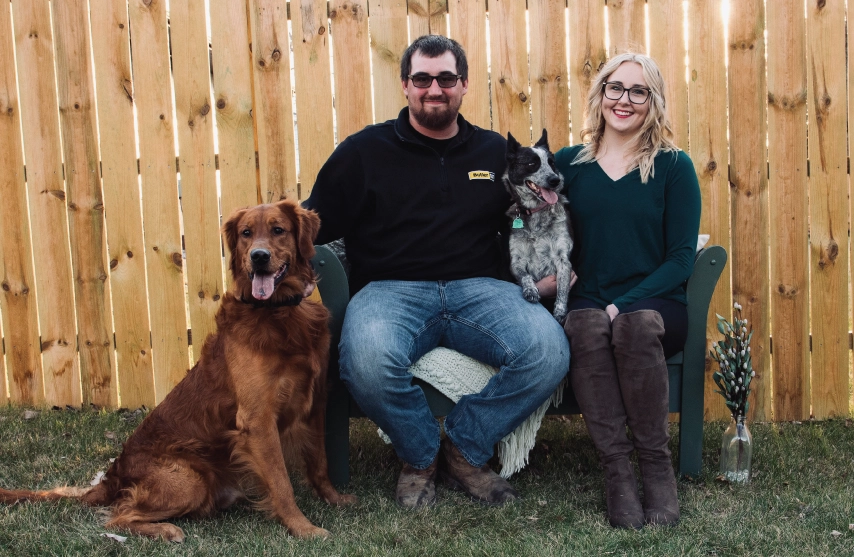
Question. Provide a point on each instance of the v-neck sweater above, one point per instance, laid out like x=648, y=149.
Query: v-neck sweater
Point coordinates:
x=632, y=240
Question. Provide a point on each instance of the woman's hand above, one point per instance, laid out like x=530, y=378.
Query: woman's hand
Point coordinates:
x=612, y=311
x=548, y=285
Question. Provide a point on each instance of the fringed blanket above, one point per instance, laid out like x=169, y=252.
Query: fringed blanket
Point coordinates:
x=456, y=375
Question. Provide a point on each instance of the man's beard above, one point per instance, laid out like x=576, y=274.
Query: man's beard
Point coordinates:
x=436, y=119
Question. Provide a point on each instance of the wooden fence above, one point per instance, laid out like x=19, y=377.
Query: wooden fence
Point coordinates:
x=128, y=127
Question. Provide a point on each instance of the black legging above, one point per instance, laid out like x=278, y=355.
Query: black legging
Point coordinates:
x=673, y=313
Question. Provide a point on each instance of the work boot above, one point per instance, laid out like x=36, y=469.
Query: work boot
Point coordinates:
x=417, y=488
x=482, y=484
x=593, y=375
x=645, y=384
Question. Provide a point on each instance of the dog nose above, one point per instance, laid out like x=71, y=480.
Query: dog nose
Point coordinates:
x=553, y=181
x=260, y=256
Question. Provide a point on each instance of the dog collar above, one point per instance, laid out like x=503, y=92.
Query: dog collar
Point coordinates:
x=517, y=222
x=289, y=301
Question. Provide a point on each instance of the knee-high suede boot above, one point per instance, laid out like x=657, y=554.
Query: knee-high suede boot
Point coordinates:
x=644, y=382
x=594, y=381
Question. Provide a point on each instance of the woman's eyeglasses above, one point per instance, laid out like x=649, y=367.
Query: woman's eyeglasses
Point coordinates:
x=423, y=80
x=614, y=90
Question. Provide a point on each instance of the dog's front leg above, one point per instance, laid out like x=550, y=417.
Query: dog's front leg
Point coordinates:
x=563, y=273
x=258, y=445
x=529, y=289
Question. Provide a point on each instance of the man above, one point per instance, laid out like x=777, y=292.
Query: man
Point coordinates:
x=419, y=203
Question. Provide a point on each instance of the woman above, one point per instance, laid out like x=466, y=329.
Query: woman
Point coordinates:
x=635, y=207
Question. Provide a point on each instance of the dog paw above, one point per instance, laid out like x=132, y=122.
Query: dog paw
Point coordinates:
x=531, y=294
x=561, y=317
x=310, y=531
x=341, y=500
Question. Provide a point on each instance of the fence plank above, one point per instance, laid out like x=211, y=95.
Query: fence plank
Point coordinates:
x=40, y=119
x=828, y=232
x=161, y=213
x=509, y=67
x=468, y=27
x=274, y=118
x=85, y=203
x=232, y=79
x=18, y=301
x=309, y=22
x=122, y=201
x=667, y=47
x=626, y=31
x=549, y=80
x=787, y=159
x=351, y=57
x=197, y=166
x=749, y=187
x=419, y=18
x=587, y=55
x=709, y=150
x=438, y=17
x=388, y=41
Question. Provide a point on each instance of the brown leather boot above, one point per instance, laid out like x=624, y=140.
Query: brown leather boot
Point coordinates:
x=417, y=488
x=482, y=484
x=593, y=375
x=645, y=384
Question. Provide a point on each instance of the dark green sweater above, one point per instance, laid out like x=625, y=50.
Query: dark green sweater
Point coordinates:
x=632, y=240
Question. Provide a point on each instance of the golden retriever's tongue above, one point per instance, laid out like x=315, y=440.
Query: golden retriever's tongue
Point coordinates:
x=262, y=286
x=549, y=196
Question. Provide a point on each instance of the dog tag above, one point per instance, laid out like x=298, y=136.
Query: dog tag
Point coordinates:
x=517, y=223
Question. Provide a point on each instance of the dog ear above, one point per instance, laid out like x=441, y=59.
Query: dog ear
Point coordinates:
x=309, y=226
x=513, y=146
x=544, y=140
x=229, y=230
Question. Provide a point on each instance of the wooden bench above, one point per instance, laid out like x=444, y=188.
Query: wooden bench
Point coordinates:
x=686, y=369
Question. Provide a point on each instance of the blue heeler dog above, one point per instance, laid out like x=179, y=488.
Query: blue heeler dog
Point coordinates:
x=540, y=240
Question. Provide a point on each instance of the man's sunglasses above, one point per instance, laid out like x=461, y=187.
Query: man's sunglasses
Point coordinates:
x=423, y=80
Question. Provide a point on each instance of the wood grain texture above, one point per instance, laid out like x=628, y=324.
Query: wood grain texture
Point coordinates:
x=587, y=55
x=828, y=210
x=388, y=29
x=667, y=48
x=274, y=120
x=788, y=208
x=419, y=17
x=626, y=31
x=18, y=304
x=468, y=27
x=232, y=81
x=351, y=57
x=511, y=102
x=115, y=95
x=749, y=186
x=313, y=88
x=86, y=223
x=199, y=201
x=160, y=208
x=549, y=72
x=707, y=86
x=47, y=201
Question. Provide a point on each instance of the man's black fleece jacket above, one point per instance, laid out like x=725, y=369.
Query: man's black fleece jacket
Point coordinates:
x=407, y=212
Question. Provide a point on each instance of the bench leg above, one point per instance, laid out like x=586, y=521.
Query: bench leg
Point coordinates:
x=338, y=435
x=690, y=439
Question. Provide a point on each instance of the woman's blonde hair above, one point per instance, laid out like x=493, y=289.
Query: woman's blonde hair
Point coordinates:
x=655, y=134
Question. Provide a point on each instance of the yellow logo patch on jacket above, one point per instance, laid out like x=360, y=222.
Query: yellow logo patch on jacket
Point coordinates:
x=481, y=175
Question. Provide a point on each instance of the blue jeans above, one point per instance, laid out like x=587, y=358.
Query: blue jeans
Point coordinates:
x=389, y=325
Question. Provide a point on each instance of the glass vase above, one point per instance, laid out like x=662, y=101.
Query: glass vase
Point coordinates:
x=736, y=452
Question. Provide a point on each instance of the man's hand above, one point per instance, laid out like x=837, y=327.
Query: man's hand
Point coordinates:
x=548, y=285
x=612, y=311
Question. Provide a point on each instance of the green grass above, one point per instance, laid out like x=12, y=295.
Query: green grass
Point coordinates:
x=802, y=491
